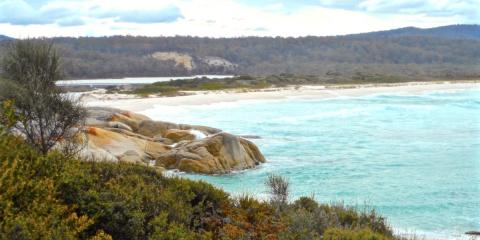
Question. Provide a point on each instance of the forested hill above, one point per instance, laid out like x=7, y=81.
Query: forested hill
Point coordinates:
x=3, y=37
x=445, y=52
x=452, y=31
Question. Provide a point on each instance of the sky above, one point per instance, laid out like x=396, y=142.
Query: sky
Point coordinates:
x=226, y=18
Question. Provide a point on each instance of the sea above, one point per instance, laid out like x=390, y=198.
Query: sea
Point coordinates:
x=414, y=158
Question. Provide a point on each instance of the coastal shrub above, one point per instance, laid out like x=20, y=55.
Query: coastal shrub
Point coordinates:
x=278, y=188
x=307, y=203
x=8, y=117
x=348, y=234
x=128, y=201
x=29, y=207
x=257, y=218
x=341, y=216
x=122, y=199
x=302, y=225
x=162, y=229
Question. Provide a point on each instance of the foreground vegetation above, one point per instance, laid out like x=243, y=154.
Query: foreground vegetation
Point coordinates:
x=56, y=197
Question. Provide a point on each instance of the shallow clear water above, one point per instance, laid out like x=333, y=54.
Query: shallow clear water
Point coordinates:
x=415, y=158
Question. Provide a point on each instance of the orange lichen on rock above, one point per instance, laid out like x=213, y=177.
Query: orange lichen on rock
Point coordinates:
x=132, y=137
x=92, y=131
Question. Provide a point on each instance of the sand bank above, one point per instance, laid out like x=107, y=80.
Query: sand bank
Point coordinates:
x=133, y=103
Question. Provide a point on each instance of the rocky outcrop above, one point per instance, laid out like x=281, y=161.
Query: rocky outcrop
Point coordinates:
x=178, y=135
x=219, y=153
x=110, y=145
x=117, y=135
x=191, y=62
x=158, y=128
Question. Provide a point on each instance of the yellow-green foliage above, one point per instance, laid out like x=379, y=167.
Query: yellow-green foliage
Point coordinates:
x=29, y=208
x=8, y=117
x=347, y=234
x=53, y=197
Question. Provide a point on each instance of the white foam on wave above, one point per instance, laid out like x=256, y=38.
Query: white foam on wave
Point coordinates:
x=232, y=104
x=389, y=94
x=184, y=113
x=429, y=235
x=344, y=112
x=166, y=113
x=198, y=134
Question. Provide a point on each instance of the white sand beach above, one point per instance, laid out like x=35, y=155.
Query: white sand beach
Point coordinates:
x=133, y=103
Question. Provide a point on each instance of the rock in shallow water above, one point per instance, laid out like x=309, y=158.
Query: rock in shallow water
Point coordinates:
x=219, y=153
x=118, y=135
x=473, y=233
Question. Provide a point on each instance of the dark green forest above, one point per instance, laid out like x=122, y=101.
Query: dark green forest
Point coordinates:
x=450, y=52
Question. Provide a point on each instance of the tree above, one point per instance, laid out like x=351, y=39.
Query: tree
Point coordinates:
x=47, y=117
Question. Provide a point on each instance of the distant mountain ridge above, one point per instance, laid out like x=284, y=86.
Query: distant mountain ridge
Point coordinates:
x=452, y=31
x=3, y=37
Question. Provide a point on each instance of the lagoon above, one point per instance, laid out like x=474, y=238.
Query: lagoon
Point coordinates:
x=127, y=81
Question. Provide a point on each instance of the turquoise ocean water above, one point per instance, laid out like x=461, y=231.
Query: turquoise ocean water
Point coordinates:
x=414, y=158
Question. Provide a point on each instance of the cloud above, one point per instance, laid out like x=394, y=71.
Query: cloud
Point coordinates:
x=18, y=12
x=467, y=8
x=227, y=18
x=260, y=29
x=38, y=3
x=293, y=5
x=166, y=14
x=73, y=13
x=70, y=22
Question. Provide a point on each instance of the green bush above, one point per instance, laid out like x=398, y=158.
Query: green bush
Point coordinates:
x=306, y=203
x=347, y=234
x=29, y=207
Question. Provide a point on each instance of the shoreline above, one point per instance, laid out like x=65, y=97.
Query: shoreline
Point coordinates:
x=198, y=98
x=134, y=103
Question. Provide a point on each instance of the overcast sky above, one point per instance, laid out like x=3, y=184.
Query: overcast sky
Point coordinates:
x=226, y=18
